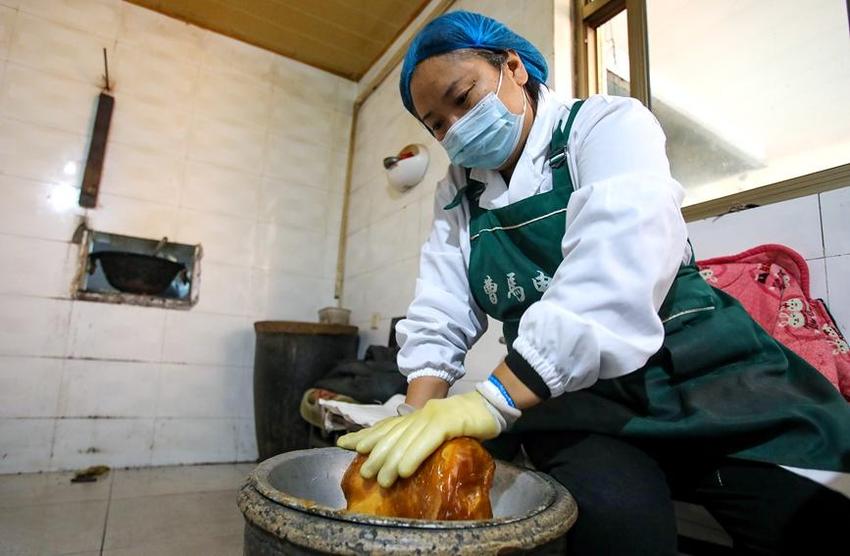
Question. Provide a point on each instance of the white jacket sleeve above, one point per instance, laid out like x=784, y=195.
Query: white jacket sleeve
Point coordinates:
x=443, y=321
x=625, y=239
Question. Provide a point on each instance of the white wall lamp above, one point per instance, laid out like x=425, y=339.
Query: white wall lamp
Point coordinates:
x=408, y=167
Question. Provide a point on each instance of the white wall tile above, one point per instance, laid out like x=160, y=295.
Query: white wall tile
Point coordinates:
x=346, y=95
x=194, y=441
x=45, y=211
x=195, y=391
x=33, y=325
x=289, y=249
x=355, y=296
x=337, y=168
x=360, y=209
x=306, y=82
x=134, y=217
x=331, y=249
x=835, y=211
x=838, y=279
x=58, y=49
x=125, y=332
x=297, y=297
x=391, y=288
x=333, y=215
x=37, y=267
x=259, y=291
x=29, y=387
x=294, y=206
x=358, y=247
x=817, y=279
x=142, y=174
x=80, y=443
x=298, y=162
x=225, y=239
x=210, y=188
x=7, y=23
x=794, y=223
x=101, y=17
x=34, y=96
x=92, y=388
x=301, y=120
x=149, y=126
x=224, y=289
x=246, y=440
x=40, y=153
x=234, y=97
x=395, y=237
x=207, y=339
x=368, y=168
x=234, y=145
x=161, y=36
x=26, y=444
x=168, y=81
x=224, y=53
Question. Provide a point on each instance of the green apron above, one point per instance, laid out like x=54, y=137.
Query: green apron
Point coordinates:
x=719, y=385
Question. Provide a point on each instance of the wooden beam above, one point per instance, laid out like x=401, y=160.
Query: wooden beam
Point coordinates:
x=97, y=151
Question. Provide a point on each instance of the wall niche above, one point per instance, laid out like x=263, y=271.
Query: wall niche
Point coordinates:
x=114, y=268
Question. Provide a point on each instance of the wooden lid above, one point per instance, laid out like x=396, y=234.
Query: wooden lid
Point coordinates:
x=309, y=328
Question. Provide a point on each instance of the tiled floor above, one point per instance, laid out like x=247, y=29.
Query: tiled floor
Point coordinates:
x=160, y=511
x=157, y=511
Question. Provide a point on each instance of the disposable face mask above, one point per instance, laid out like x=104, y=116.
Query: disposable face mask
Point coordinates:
x=486, y=135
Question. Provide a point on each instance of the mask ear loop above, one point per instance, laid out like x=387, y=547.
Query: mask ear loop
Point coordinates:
x=524, y=95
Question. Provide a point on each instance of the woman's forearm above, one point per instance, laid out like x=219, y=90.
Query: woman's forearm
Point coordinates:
x=425, y=388
x=519, y=392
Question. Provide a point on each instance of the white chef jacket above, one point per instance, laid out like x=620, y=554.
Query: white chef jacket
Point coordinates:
x=623, y=243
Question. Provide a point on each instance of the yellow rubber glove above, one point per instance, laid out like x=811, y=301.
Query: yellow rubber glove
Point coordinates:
x=399, y=445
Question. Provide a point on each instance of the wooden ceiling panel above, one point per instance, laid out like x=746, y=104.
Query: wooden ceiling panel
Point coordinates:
x=344, y=37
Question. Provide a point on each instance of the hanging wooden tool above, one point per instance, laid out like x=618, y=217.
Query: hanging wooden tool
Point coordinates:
x=97, y=147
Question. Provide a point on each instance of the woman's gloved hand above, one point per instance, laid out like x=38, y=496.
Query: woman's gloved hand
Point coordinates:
x=399, y=445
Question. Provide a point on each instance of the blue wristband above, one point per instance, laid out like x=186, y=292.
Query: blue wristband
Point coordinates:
x=498, y=384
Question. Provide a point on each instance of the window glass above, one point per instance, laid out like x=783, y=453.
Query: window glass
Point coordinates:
x=612, y=46
x=749, y=92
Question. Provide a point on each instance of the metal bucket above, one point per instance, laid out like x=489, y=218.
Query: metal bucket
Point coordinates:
x=292, y=502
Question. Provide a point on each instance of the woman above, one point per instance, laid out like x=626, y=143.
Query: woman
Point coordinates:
x=628, y=378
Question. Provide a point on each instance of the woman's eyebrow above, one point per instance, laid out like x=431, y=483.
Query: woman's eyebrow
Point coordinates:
x=451, y=87
x=447, y=94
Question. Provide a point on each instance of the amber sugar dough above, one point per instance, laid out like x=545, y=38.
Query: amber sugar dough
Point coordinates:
x=452, y=484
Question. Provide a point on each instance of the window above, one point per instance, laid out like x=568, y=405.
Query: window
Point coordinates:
x=751, y=94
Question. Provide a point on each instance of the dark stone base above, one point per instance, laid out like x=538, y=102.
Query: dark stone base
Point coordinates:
x=260, y=543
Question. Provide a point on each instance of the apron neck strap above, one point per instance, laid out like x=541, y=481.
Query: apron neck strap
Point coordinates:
x=558, y=151
x=473, y=190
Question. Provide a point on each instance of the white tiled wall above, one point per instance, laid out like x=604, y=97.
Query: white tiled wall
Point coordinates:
x=212, y=142
x=386, y=228
x=817, y=227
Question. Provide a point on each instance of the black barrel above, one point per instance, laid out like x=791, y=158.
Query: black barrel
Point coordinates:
x=289, y=357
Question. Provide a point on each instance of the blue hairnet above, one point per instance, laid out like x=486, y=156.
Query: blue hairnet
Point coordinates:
x=457, y=30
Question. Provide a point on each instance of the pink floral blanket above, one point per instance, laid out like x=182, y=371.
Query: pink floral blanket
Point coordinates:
x=772, y=283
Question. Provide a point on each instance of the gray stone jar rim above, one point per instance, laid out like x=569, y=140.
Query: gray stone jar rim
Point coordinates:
x=261, y=480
